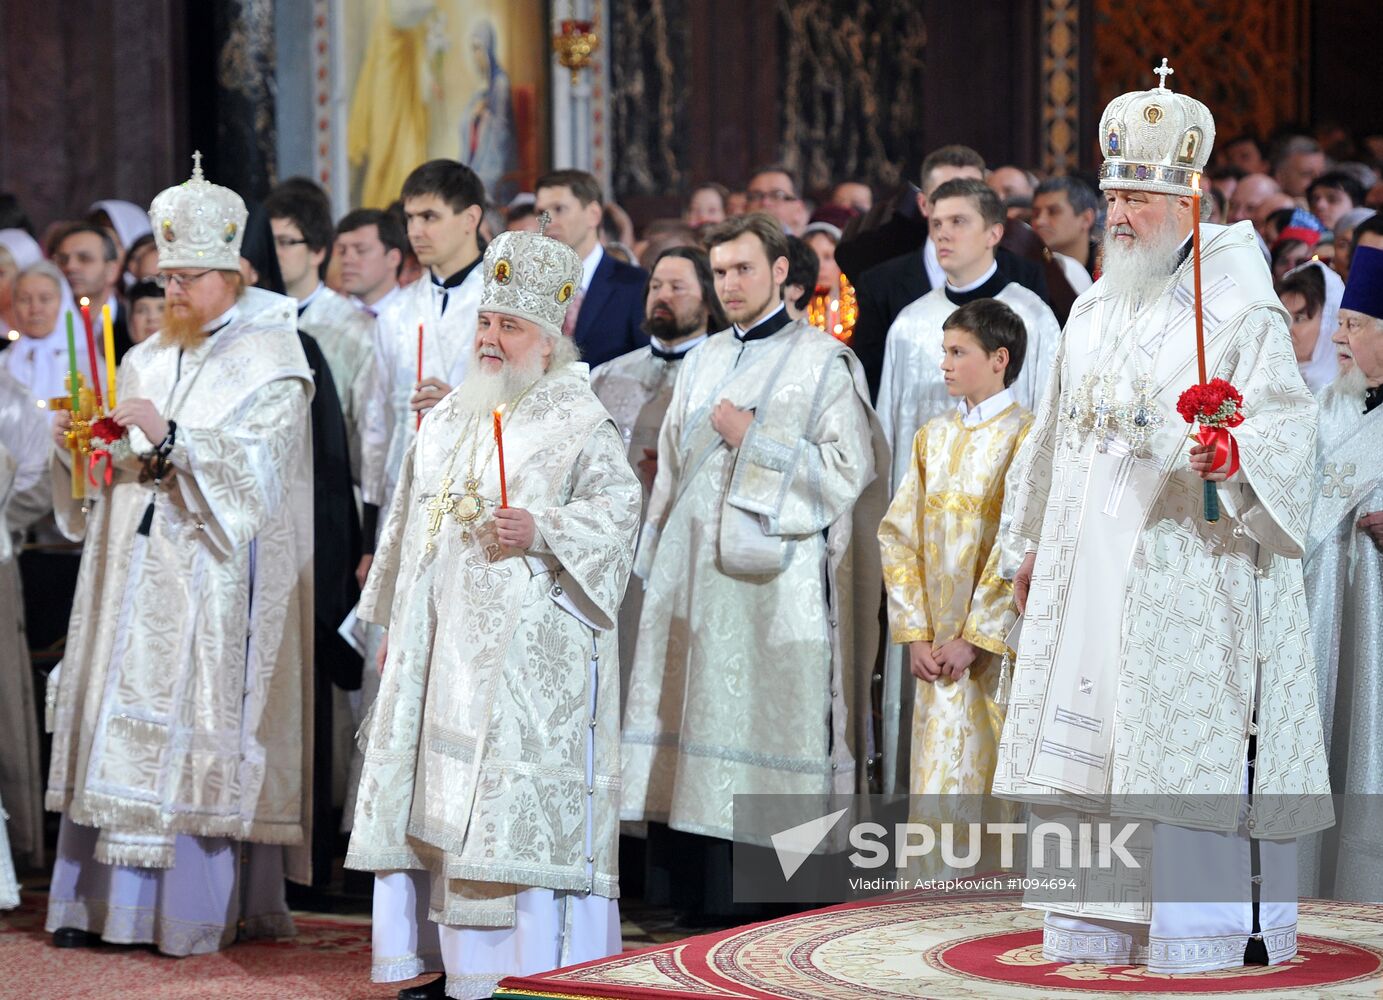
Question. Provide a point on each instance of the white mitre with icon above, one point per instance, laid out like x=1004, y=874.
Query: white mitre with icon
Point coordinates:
x=198, y=224
x=1155, y=140
x=531, y=276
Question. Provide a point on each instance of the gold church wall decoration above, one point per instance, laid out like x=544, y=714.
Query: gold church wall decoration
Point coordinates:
x=1061, y=85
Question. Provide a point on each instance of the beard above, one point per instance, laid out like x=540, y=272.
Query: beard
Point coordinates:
x=668, y=328
x=1140, y=269
x=482, y=392
x=183, y=329
x=1352, y=383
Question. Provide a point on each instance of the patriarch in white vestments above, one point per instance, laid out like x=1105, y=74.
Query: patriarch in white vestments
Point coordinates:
x=1164, y=664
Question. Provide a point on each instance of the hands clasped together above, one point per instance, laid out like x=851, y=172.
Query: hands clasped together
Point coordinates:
x=933, y=661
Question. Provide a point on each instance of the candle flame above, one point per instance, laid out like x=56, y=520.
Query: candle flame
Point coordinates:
x=42, y=404
x=85, y=301
x=12, y=335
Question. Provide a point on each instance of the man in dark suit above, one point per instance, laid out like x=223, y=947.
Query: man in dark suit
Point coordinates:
x=606, y=314
x=885, y=288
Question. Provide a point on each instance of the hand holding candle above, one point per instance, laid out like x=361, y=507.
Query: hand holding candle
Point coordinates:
x=1217, y=406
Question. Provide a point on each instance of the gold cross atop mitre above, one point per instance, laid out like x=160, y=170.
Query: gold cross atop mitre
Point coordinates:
x=1155, y=140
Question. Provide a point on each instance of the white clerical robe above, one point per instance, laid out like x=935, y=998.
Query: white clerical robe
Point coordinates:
x=1344, y=590
x=346, y=337
x=448, y=318
x=492, y=757
x=911, y=392
x=25, y=497
x=637, y=388
x=1155, y=643
x=179, y=707
x=759, y=627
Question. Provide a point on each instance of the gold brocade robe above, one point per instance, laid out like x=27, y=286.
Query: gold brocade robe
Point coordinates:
x=939, y=543
x=183, y=701
x=502, y=665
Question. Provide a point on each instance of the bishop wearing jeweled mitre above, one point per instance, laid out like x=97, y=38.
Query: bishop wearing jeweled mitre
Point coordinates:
x=1164, y=670
x=488, y=802
x=181, y=710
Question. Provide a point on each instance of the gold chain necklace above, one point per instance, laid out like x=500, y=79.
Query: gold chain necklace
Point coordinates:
x=468, y=505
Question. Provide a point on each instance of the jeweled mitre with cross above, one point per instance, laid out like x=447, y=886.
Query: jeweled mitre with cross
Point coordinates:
x=1155, y=140
x=198, y=224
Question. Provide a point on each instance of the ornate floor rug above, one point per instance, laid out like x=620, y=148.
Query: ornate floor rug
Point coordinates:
x=952, y=949
x=328, y=960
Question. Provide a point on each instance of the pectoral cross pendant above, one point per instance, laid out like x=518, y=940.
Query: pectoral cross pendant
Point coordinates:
x=441, y=504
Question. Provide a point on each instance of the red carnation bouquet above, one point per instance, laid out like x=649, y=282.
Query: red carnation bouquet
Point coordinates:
x=108, y=430
x=1216, y=406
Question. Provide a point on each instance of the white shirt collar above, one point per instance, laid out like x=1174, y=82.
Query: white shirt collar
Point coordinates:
x=380, y=304
x=993, y=270
x=985, y=410
x=304, y=303
x=681, y=348
x=589, y=264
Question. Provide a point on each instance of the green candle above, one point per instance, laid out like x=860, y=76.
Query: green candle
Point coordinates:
x=73, y=379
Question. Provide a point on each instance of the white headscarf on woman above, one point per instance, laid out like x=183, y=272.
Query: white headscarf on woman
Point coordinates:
x=1324, y=364
x=130, y=221
x=22, y=247
x=41, y=363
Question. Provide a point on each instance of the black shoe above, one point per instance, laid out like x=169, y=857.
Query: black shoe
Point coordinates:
x=435, y=990
x=71, y=937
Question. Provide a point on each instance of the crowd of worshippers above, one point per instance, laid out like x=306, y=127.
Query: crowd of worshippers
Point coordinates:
x=927, y=321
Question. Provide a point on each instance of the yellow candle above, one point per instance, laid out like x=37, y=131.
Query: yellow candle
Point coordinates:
x=109, y=329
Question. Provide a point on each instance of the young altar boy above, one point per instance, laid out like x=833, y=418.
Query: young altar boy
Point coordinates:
x=946, y=600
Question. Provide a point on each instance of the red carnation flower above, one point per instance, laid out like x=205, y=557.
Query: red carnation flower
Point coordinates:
x=108, y=429
x=1214, y=404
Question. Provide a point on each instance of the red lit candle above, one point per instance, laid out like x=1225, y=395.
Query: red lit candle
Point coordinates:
x=420, y=370
x=91, y=352
x=499, y=448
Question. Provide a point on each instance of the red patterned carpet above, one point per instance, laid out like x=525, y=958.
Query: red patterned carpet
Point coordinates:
x=952, y=949
x=328, y=960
